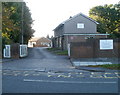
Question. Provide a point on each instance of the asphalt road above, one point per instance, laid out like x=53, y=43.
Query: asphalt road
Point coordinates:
x=43, y=72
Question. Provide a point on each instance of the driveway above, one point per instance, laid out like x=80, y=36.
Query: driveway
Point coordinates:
x=40, y=59
x=44, y=72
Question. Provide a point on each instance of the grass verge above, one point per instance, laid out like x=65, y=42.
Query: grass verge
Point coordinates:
x=58, y=51
x=65, y=52
x=109, y=66
x=53, y=49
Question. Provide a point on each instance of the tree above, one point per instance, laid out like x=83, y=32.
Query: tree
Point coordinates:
x=109, y=18
x=27, y=24
x=48, y=37
x=9, y=28
x=11, y=22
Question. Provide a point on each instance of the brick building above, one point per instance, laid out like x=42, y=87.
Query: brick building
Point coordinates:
x=76, y=29
x=39, y=42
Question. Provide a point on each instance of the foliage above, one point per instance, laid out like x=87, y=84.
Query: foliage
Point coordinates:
x=53, y=49
x=109, y=66
x=12, y=21
x=65, y=52
x=108, y=17
x=47, y=36
x=58, y=51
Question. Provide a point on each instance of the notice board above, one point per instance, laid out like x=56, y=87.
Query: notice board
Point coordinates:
x=106, y=44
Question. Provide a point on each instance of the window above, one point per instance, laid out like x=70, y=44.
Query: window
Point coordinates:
x=80, y=25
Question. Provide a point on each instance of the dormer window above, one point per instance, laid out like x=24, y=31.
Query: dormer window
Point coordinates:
x=80, y=25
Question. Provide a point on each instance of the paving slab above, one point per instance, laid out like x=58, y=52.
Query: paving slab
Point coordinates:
x=102, y=63
x=94, y=61
x=83, y=64
x=75, y=63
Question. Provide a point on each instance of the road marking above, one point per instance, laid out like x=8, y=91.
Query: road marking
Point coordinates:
x=62, y=75
x=50, y=81
x=117, y=74
x=96, y=76
x=36, y=74
x=49, y=75
x=105, y=76
x=25, y=74
x=7, y=74
x=16, y=71
x=108, y=73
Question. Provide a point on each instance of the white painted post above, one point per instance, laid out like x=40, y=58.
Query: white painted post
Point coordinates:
x=7, y=52
x=69, y=49
x=23, y=50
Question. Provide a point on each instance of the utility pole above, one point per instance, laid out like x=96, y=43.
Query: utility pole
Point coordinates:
x=0, y=32
x=22, y=23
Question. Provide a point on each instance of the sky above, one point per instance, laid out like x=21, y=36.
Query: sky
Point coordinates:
x=48, y=14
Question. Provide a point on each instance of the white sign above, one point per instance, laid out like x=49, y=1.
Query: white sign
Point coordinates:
x=106, y=44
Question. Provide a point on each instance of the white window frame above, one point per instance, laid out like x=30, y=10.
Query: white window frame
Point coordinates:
x=80, y=26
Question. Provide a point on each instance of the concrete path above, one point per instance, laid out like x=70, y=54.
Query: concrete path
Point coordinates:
x=95, y=61
x=85, y=63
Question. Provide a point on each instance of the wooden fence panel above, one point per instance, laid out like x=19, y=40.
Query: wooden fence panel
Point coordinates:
x=82, y=50
x=15, y=49
x=91, y=49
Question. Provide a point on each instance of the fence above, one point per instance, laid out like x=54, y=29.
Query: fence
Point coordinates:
x=95, y=48
x=15, y=51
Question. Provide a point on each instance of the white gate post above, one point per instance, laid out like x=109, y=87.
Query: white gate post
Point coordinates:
x=7, y=51
x=69, y=49
x=23, y=50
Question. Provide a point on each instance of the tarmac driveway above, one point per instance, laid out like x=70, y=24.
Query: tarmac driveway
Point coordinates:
x=40, y=59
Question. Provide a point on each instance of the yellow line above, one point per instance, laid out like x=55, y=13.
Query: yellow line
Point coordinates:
x=49, y=75
x=26, y=74
x=108, y=77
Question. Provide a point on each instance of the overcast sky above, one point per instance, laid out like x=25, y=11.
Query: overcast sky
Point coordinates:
x=49, y=13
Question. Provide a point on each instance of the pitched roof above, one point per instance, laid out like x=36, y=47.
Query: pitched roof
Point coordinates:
x=61, y=24
x=81, y=15
x=34, y=39
x=43, y=39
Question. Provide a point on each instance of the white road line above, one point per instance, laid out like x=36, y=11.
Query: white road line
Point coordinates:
x=50, y=81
